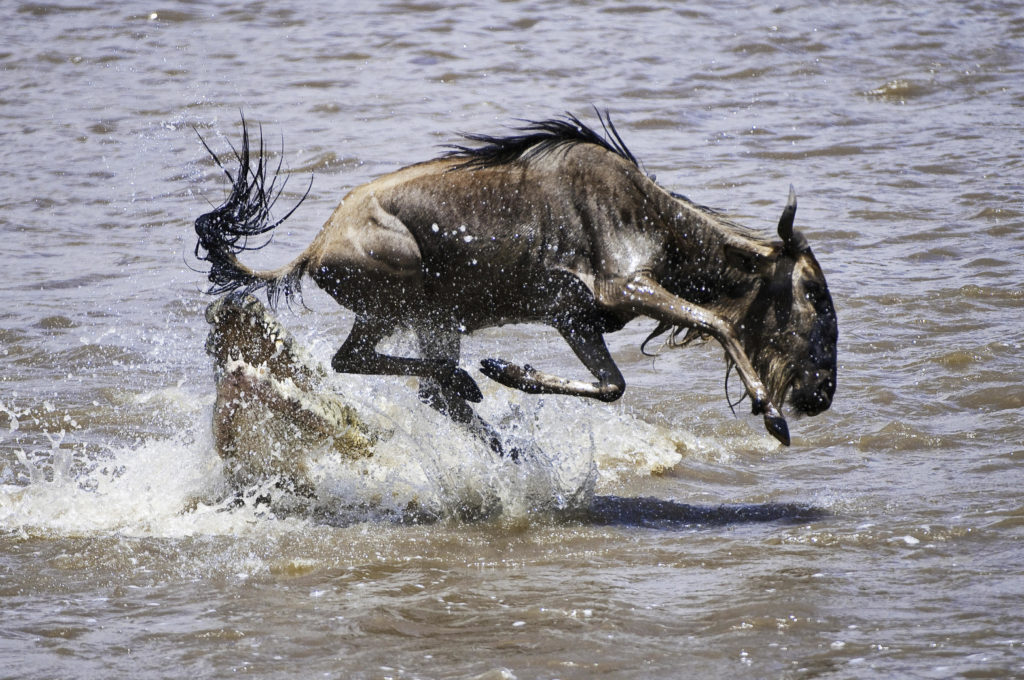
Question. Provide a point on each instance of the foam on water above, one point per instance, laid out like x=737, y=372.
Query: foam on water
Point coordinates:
x=428, y=470
x=138, y=490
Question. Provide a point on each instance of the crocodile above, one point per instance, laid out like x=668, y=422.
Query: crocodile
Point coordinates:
x=274, y=412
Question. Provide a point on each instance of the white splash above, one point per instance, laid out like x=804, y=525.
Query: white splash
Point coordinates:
x=428, y=469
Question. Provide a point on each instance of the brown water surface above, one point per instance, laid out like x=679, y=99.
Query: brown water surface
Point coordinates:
x=897, y=540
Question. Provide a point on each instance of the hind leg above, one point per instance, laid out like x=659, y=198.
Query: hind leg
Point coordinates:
x=370, y=263
x=441, y=345
x=458, y=409
x=358, y=354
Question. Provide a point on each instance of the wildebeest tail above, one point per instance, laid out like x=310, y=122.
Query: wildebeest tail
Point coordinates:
x=228, y=229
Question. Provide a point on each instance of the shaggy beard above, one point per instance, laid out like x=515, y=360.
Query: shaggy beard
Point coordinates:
x=774, y=371
x=777, y=383
x=777, y=375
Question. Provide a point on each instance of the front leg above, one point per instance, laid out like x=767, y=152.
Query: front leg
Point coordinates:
x=589, y=347
x=530, y=380
x=641, y=294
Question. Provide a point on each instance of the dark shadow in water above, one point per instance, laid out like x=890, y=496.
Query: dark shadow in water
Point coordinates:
x=643, y=513
x=655, y=513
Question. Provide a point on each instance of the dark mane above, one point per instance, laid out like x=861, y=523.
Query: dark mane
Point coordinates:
x=537, y=138
x=723, y=220
x=545, y=136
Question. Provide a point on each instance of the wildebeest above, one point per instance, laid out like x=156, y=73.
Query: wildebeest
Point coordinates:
x=557, y=224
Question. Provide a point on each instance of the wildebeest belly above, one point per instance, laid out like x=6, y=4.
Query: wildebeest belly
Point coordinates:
x=503, y=281
x=497, y=246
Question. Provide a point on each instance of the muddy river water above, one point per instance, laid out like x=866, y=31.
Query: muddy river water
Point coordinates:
x=899, y=124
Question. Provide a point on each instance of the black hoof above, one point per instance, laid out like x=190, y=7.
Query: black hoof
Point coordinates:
x=497, y=370
x=464, y=386
x=495, y=443
x=777, y=427
x=522, y=378
x=513, y=453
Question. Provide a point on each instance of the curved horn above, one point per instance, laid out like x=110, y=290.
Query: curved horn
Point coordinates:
x=786, y=221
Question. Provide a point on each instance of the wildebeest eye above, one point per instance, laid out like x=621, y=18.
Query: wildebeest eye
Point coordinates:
x=812, y=291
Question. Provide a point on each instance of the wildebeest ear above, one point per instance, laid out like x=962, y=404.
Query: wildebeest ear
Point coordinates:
x=747, y=261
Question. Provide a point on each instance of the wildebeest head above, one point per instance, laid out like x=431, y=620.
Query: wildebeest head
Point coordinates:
x=789, y=328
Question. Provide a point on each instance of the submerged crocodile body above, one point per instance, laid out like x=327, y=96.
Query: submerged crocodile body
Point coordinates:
x=273, y=414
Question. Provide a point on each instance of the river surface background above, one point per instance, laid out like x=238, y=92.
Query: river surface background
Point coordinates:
x=899, y=124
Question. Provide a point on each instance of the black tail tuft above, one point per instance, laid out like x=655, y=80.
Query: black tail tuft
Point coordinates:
x=225, y=231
